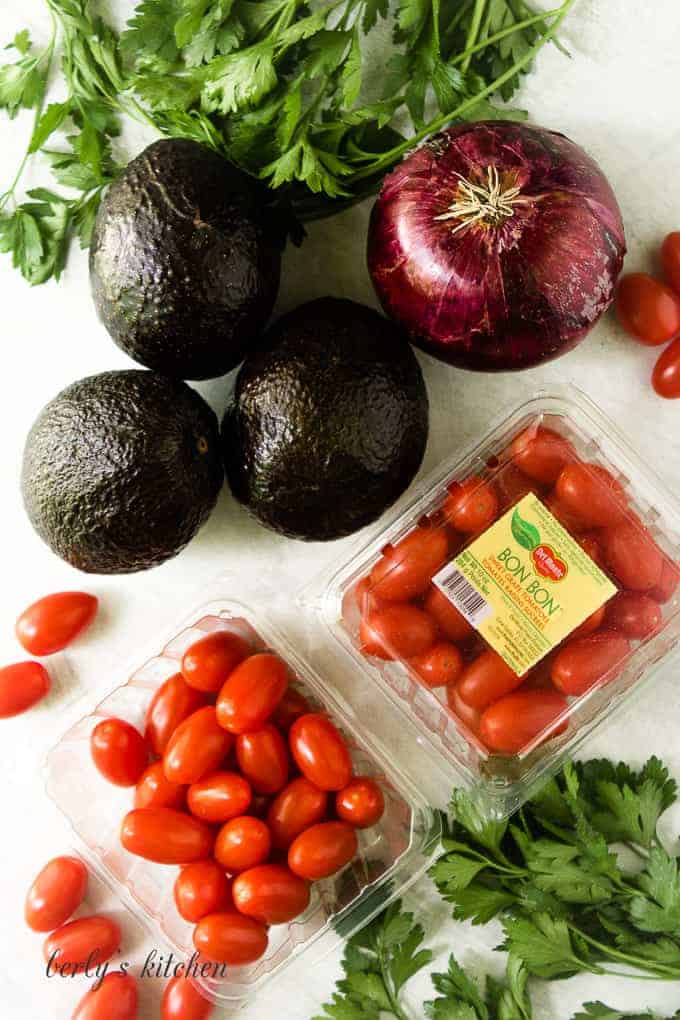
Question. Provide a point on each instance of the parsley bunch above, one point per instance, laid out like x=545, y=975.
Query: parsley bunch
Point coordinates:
x=320, y=99
x=554, y=874
x=380, y=960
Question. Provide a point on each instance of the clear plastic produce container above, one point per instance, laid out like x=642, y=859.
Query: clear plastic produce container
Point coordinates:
x=392, y=854
x=565, y=585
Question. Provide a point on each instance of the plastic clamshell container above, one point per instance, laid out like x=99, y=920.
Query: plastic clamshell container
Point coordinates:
x=392, y=854
x=503, y=781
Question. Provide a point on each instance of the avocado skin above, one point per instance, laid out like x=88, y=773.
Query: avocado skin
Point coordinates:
x=329, y=421
x=185, y=260
x=120, y=471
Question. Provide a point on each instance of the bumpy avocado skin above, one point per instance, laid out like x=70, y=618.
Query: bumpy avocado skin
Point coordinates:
x=185, y=260
x=120, y=471
x=329, y=421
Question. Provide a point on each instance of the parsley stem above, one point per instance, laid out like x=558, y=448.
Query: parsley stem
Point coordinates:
x=519, y=26
x=392, y=155
x=391, y=994
x=473, y=33
x=665, y=972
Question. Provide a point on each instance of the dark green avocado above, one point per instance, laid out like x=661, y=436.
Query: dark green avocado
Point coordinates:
x=185, y=260
x=329, y=421
x=120, y=471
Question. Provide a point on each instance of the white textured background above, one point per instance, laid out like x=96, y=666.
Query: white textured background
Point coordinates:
x=618, y=97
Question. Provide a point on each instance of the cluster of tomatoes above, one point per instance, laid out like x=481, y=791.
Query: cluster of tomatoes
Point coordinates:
x=76, y=946
x=244, y=786
x=404, y=616
x=46, y=627
x=649, y=311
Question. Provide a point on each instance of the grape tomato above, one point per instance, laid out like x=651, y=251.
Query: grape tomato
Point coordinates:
x=515, y=721
x=74, y=946
x=56, y=893
x=172, y=703
x=201, y=888
x=183, y=1001
x=297, y=807
x=207, y=664
x=262, y=757
x=53, y=622
x=485, y=679
x=450, y=622
x=320, y=752
x=230, y=938
x=219, y=796
x=115, y=997
x=22, y=685
x=361, y=803
x=243, y=843
x=166, y=836
x=406, y=570
x=397, y=632
x=583, y=662
x=322, y=850
x=199, y=745
x=541, y=453
x=252, y=693
x=472, y=505
x=440, y=666
x=119, y=752
x=666, y=374
x=647, y=309
x=271, y=894
x=154, y=789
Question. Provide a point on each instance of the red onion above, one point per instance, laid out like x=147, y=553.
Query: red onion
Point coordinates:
x=496, y=245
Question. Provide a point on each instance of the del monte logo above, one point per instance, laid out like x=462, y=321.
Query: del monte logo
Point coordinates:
x=546, y=561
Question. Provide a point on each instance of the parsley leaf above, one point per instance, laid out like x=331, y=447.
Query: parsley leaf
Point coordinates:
x=378, y=961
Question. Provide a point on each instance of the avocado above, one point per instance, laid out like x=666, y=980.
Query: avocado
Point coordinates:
x=329, y=421
x=185, y=260
x=120, y=471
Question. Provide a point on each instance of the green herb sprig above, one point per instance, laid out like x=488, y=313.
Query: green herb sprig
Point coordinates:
x=554, y=876
x=319, y=100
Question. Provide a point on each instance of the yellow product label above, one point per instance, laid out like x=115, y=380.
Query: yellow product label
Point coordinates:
x=525, y=584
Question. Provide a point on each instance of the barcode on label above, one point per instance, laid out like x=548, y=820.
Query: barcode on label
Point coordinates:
x=464, y=596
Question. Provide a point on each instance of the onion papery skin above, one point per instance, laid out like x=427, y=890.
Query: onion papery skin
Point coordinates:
x=494, y=296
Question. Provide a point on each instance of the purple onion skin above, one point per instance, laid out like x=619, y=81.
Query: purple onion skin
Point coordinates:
x=497, y=296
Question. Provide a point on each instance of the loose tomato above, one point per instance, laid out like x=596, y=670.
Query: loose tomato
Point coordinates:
x=55, y=621
x=668, y=582
x=76, y=945
x=200, y=889
x=449, y=620
x=633, y=555
x=22, y=686
x=115, y=997
x=320, y=752
x=441, y=665
x=361, y=803
x=56, y=893
x=485, y=679
x=154, y=789
x=591, y=494
x=583, y=662
x=466, y=713
x=230, y=938
x=670, y=259
x=397, y=632
x=166, y=836
x=199, y=745
x=322, y=850
x=541, y=453
x=243, y=843
x=406, y=569
x=471, y=505
x=647, y=309
x=209, y=661
x=119, y=751
x=666, y=374
x=172, y=703
x=298, y=806
x=514, y=722
x=219, y=796
x=291, y=707
x=262, y=757
x=590, y=624
x=183, y=1001
x=271, y=894
x=252, y=693
x=634, y=613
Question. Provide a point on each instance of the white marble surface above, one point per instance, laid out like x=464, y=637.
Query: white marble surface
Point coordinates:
x=617, y=97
